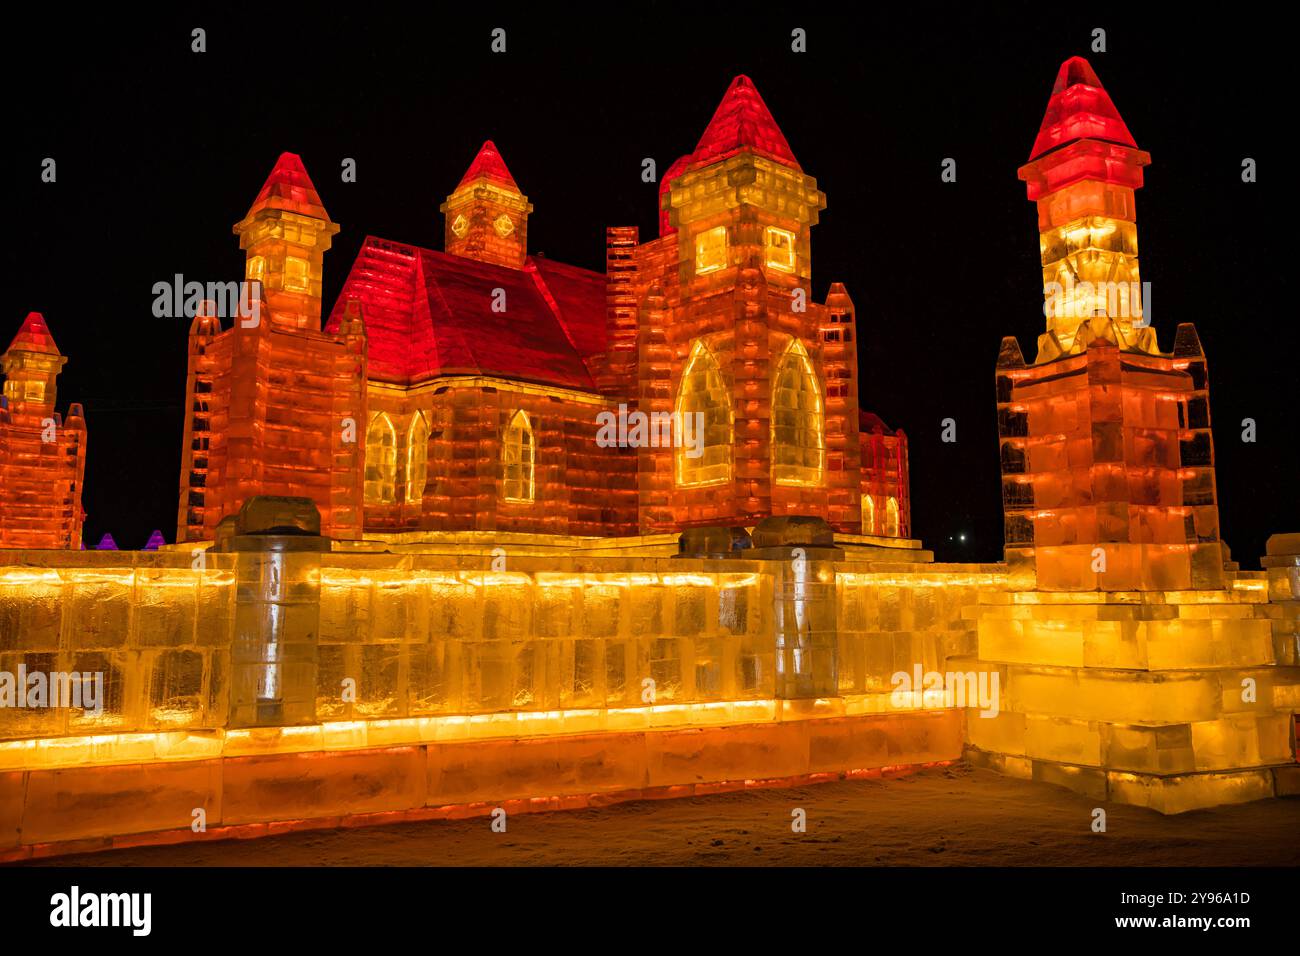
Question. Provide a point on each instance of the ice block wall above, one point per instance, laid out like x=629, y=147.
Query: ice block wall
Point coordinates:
x=424, y=637
x=415, y=635
x=157, y=629
x=892, y=619
x=446, y=684
x=1174, y=700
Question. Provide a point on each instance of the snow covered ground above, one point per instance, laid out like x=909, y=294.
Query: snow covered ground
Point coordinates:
x=954, y=816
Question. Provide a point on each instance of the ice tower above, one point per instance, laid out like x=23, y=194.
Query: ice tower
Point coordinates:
x=42, y=457
x=1132, y=664
x=1107, y=458
x=486, y=216
x=726, y=329
x=275, y=406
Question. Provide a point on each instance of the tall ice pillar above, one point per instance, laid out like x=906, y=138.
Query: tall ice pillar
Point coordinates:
x=1133, y=665
x=278, y=548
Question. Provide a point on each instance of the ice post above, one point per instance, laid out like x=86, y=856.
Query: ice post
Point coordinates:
x=277, y=544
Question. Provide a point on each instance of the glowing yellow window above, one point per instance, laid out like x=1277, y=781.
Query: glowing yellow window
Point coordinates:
x=381, y=461
x=868, y=514
x=711, y=250
x=780, y=249
x=798, y=445
x=256, y=268
x=503, y=225
x=417, y=459
x=460, y=226
x=32, y=390
x=703, y=407
x=518, y=459
x=891, y=516
x=296, y=274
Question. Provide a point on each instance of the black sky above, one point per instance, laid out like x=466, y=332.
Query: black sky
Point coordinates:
x=160, y=150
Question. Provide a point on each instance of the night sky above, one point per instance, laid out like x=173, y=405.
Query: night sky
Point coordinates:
x=160, y=151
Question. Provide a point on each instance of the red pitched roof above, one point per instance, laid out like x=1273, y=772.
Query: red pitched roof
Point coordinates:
x=742, y=121
x=577, y=299
x=429, y=313
x=289, y=187
x=1079, y=109
x=34, y=336
x=488, y=164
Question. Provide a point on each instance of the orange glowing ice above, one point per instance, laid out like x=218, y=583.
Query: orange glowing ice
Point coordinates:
x=1107, y=458
x=475, y=379
x=42, y=457
x=274, y=405
x=727, y=330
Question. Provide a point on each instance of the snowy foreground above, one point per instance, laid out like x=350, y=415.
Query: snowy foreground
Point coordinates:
x=940, y=817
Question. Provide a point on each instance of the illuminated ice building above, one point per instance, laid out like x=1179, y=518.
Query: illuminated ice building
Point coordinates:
x=412, y=582
x=461, y=390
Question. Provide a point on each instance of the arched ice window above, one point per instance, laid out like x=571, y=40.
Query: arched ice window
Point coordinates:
x=703, y=415
x=868, y=514
x=518, y=459
x=381, y=461
x=891, y=516
x=417, y=458
x=798, y=444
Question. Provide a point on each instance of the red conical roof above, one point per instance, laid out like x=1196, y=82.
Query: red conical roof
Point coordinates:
x=742, y=121
x=34, y=336
x=289, y=187
x=488, y=164
x=1079, y=109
